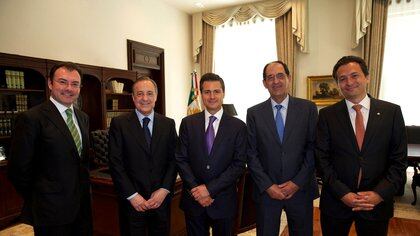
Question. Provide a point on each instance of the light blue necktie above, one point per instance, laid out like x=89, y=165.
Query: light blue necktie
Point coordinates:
x=279, y=122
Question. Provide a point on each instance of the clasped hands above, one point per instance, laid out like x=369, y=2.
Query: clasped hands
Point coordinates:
x=156, y=199
x=282, y=191
x=202, y=195
x=362, y=201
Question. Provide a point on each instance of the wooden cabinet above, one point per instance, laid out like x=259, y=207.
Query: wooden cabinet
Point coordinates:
x=30, y=87
x=148, y=60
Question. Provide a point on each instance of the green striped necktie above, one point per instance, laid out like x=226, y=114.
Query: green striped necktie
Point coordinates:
x=73, y=130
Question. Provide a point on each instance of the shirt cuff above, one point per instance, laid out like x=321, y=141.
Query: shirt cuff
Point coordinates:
x=166, y=190
x=131, y=197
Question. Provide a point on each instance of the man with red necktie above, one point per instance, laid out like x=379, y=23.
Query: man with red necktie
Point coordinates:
x=361, y=152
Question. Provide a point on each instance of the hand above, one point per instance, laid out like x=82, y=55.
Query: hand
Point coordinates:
x=200, y=192
x=274, y=191
x=206, y=201
x=139, y=203
x=288, y=189
x=157, y=198
x=367, y=201
x=356, y=202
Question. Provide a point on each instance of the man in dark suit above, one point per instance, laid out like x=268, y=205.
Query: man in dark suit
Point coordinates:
x=48, y=164
x=281, y=137
x=142, y=163
x=210, y=157
x=361, y=154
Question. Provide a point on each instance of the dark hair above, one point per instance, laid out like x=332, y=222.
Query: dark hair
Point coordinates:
x=348, y=59
x=211, y=77
x=286, y=69
x=145, y=78
x=70, y=66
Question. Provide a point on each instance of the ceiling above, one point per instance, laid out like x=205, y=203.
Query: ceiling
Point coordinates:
x=189, y=6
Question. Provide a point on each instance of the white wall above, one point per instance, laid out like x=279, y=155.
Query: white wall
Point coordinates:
x=95, y=32
x=330, y=27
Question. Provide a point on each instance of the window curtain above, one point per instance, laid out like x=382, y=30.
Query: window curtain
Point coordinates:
x=374, y=44
x=206, y=54
x=285, y=44
x=271, y=9
x=370, y=25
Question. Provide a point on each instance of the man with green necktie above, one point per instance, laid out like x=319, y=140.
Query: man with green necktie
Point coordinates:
x=48, y=164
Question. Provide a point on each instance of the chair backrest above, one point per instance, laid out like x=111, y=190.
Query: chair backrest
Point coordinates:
x=100, y=146
x=413, y=134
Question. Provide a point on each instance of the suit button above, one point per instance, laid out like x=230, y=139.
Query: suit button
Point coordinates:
x=208, y=167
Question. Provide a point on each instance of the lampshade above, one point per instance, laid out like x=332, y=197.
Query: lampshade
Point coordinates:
x=229, y=109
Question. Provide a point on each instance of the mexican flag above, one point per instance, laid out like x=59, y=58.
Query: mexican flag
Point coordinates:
x=193, y=101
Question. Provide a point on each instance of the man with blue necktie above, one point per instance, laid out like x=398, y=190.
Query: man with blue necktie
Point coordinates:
x=211, y=157
x=281, y=136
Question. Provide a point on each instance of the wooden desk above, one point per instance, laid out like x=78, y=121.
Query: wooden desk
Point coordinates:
x=10, y=201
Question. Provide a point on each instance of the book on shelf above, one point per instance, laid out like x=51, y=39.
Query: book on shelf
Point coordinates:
x=15, y=79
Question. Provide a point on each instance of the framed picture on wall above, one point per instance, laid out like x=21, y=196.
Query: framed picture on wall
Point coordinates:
x=323, y=90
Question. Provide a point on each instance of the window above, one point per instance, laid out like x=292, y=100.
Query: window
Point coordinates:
x=400, y=82
x=240, y=54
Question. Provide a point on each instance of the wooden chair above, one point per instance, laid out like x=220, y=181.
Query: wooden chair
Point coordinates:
x=413, y=140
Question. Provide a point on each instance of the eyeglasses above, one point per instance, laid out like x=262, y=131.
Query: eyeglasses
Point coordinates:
x=271, y=78
x=65, y=83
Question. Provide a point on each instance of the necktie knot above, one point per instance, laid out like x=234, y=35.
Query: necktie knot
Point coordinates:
x=69, y=112
x=278, y=107
x=357, y=107
x=146, y=121
x=211, y=120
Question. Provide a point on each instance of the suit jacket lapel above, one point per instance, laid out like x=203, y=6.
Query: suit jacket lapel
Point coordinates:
x=200, y=122
x=343, y=117
x=52, y=113
x=268, y=116
x=291, y=118
x=157, y=132
x=83, y=130
x=220, y=133
x=137, y=131
x=373, y=122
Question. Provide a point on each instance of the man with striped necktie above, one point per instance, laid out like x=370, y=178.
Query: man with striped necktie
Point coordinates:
x=48, y=164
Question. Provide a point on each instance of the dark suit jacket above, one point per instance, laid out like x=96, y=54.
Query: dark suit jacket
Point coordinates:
x=382, y=158
x=136, y=167
x=273, y=162
x=219, y=171
x=45, y=167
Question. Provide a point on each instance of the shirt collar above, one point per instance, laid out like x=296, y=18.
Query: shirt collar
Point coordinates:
x=284, y=103
x=141, y=116
x=365, y=103
x=218, y=114
x=61, y=108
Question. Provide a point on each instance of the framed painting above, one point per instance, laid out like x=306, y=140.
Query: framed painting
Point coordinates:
x=323, y=90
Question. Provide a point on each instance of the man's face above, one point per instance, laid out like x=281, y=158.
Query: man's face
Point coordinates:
x=352, y=82
x=276, y=81
x=212, y=95
x=65, y=86
x=144, y=97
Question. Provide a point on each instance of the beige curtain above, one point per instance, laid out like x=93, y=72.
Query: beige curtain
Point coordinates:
x=206, y=54
x=285, y=44
x=373, y=45
x=265, y=9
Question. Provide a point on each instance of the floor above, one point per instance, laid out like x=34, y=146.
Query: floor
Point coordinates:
x=406, y=219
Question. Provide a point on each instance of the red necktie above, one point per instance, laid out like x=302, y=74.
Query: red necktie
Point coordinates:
x=360, y=134
x=360, y=127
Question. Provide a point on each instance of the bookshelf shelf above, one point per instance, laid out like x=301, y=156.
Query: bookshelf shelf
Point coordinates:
x=9, y=90
x=120, y=110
